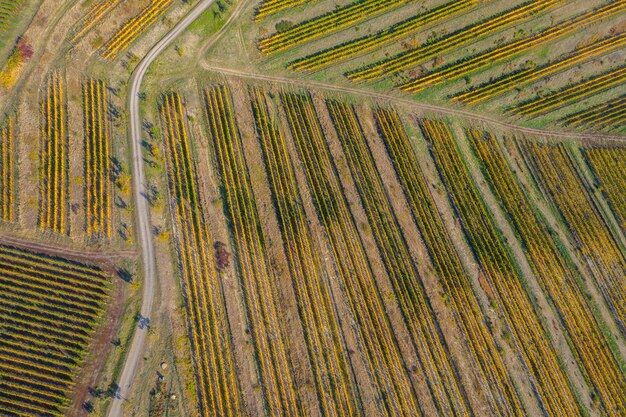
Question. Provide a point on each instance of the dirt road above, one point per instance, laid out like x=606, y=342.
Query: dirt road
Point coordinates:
x=142, y=210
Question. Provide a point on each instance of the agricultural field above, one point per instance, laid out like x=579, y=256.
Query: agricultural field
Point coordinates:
x=313, y=208
x=50, y=309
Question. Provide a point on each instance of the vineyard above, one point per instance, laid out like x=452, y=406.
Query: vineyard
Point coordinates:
x=7, y=171
x=463, y=36
x=50, y=308
x=555, y=276
x=359, y=46
x=98, y=187
x=507, y=51
x=558, y=178
x=569, y=94
x=335, y=386
x=437, y=50
x=523, y=77
x=416, y=309
x=494, y=379
x=608, y=115
x=96, y=13
x=384, y=361
x=217, y=387
x=268, y=7
x=255, y=273
x=131, y=30
x=8, y=10
x=326, y=24
x=54, y=159
x=609, y=168
x=542, y=365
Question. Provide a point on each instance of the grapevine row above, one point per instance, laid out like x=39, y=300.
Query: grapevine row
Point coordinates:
x=8, y=11
x=323, y=25
x=54, y=159
x=7, y=174
x=257, y=277
x=434, y=356
x=609, y=168
x=491, y=57
x=269, y=7
x=555, y=276
x=541, y=105
x=463, y=36
x=557, y=176
x=493, y=377
x=383, y=359
x=94, y=15
x=211, y=344
x=542, y=365
x=49, y=309
x=98, y=187
x=609, y=115
x=131, y=30
x=362, y=45
x=335, y=385
x=526, y=76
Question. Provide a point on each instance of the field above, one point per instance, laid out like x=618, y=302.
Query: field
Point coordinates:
x=549, y=378
x=54, y=205
x=98, y=187
x=217, y=386
x=50, y=309
x=312, y=208
x=556, y=277
x=7, y=176
x=268, y=334
x=335, y=385
x=416, y=310
x=503, y=397
x=473, y=55
x=609, y=167
x=8, y=9
x=131, y=30
x=562, y=184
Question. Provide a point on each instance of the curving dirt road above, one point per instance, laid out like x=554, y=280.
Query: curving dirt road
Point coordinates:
x=143, y=210
x=417, y=105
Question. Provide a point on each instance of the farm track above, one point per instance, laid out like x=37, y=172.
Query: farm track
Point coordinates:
x=57, y=250
x=414, y=105
x=131, y=361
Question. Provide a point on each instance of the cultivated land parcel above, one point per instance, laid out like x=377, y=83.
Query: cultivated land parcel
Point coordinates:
x=312, y=208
